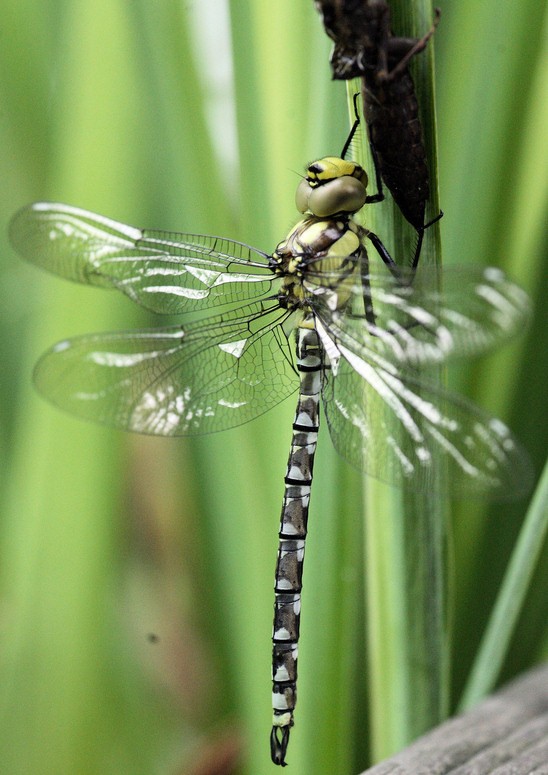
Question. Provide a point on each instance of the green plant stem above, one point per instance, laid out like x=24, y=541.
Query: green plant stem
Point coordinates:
x=405, y=535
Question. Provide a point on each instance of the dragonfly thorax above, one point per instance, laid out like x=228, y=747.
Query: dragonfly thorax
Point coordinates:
x=314, y=252
x=332, y=186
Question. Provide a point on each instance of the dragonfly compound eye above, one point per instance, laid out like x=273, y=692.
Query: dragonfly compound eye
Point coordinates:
x=340, y=195
x=331, y=186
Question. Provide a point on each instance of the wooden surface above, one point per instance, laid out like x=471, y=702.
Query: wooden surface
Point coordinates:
x=506, y=734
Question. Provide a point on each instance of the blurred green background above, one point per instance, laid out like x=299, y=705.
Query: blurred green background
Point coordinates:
x=136, y=573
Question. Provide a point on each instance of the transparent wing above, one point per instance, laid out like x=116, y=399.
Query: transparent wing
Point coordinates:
x=164, y=272
x=400, y=429
x=424, y=319
x=208, y=376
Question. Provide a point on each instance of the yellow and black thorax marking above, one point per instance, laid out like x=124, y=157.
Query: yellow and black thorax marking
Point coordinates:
x=324, y=251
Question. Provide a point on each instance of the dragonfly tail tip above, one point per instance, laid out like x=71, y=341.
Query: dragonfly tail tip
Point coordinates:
x=278, y=746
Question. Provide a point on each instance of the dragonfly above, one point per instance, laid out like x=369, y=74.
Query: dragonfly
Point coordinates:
x=313, y=316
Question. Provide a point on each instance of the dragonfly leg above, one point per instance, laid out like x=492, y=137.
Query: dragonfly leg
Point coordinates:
x=383, y=252
x=355, y=126
x=379, y=196
x=420, y=233
x=387, y=258
x=419, y=45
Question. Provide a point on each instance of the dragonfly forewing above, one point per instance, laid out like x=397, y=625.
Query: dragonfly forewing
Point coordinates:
x=168, y=273
x=423, y=319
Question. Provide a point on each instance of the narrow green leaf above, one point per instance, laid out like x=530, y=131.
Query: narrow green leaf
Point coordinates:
x=509, y=603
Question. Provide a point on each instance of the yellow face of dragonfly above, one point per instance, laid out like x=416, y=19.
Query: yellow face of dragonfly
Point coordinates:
x=332, y=186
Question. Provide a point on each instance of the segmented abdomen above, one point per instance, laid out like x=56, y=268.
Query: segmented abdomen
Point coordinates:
x=392, y=115
x=289, y=566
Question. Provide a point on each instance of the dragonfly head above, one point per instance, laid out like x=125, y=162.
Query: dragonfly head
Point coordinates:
x=332, y=186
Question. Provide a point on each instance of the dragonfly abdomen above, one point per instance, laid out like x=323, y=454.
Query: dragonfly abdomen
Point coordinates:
x=392, y=115
x=289, y=566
